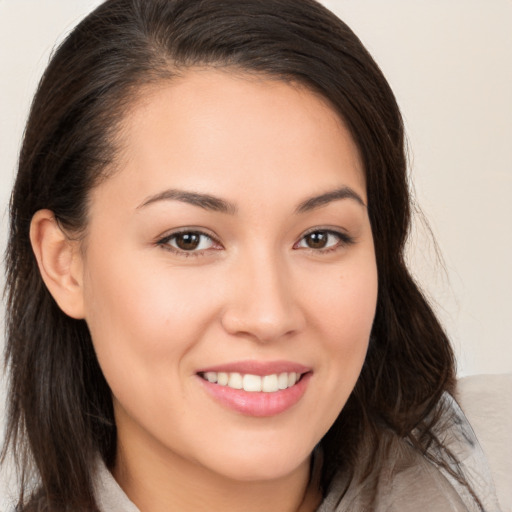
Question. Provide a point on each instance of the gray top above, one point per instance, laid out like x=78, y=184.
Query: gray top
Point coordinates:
x=408, y=481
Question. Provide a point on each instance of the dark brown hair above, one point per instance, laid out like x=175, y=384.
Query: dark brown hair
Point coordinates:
x=60, y=410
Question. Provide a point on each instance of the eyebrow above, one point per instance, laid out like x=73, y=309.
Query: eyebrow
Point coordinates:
x=204, y=201
x=328, y=197
x=216, y=204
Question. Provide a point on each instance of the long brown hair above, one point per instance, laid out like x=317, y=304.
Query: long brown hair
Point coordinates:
x=60, y=413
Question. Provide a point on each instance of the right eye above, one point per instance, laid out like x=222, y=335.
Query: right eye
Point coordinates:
x=188, y=242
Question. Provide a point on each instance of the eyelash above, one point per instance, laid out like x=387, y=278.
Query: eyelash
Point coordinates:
x=344, y=240
x=166, y=240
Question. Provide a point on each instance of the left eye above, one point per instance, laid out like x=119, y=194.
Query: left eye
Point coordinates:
x=190, y=241
x=319, y=240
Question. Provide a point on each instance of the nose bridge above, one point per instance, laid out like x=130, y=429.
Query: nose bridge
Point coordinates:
x=262, y=303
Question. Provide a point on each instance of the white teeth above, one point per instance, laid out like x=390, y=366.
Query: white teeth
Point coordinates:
x=269, y=384
x=211, y=376
x=253, y=383
x=282, y=381
x=235, y=381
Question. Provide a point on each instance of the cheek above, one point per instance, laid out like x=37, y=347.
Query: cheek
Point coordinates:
x=145, y=317
x=345, y=303
x=344, y=316
x=142, y=328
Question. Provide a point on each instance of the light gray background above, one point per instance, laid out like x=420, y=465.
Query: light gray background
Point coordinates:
x=450, y=65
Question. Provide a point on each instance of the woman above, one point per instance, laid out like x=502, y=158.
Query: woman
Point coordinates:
x=208, y=305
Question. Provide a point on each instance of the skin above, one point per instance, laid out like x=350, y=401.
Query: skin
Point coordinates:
x=254, y=291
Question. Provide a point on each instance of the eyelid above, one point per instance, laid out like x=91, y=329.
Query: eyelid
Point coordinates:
x=345, y=239
x=163, y=241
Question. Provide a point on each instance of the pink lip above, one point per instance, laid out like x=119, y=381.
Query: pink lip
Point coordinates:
x=257, y=404
x=258, y=367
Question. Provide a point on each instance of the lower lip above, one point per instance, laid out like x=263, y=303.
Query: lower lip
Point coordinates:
x=258, y=404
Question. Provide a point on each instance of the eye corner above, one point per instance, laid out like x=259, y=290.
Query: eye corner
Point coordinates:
x=324, y=240
x=187, y=242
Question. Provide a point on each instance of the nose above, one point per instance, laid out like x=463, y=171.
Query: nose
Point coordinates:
x=263, y=303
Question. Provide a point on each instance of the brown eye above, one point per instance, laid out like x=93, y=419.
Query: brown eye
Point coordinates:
x=317, y=240
x=189, y=241
x=323, y=239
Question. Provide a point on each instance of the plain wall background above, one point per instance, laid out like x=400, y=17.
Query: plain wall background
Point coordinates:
x=450, y=65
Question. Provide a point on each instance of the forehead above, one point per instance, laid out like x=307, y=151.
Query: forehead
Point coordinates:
x=208, y=125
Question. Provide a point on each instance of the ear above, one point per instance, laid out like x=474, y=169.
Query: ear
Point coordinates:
x=60, y=262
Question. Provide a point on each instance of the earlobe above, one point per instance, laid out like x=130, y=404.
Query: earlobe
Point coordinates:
x=60, y=262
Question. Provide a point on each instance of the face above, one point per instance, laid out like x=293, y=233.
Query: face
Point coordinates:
x=229, y=275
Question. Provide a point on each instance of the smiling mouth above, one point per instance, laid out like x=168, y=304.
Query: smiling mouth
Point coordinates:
x=253, y=383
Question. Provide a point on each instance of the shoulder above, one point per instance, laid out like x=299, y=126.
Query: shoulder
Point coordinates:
x=487, y=403
x=451, y=474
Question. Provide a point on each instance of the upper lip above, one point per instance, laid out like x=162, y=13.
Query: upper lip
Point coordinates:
x=257, y=367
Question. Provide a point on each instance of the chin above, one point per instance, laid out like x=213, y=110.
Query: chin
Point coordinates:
x=262, y=465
